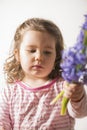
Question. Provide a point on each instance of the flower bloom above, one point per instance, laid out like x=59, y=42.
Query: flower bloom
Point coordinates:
x=74, y=64
x=74, y=59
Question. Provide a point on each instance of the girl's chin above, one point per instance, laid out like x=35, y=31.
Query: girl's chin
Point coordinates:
x=39, y=75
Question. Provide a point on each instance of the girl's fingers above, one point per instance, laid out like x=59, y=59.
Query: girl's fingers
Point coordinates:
x=69, y=89
x=1, y=128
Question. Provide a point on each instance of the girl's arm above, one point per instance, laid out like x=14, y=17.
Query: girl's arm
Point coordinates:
x=5, y=122
x=77, y=106
x=78, y=109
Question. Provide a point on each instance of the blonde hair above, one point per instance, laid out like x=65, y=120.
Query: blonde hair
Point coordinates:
x=12, y=68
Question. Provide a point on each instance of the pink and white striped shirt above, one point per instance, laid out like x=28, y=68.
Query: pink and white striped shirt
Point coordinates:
x=24, y=108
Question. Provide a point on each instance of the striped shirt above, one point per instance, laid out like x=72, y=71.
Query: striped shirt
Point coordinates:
x=25, y=108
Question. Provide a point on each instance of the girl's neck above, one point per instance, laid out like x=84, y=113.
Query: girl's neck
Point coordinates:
x=36, y=82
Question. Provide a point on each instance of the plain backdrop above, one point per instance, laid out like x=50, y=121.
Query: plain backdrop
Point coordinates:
x=67, y=14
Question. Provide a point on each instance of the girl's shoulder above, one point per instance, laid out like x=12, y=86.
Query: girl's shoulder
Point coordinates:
x=8, y=88
x=6, y=92
x=59, y=83
x=60, y=80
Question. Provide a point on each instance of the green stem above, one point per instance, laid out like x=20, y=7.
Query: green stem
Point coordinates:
x=57, y=97
x=64, y=105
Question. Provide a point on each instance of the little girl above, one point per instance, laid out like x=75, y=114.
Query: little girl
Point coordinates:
x=33, y=80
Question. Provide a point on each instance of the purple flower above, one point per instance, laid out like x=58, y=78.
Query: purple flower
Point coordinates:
x=85, y=24
x=74, y=64
x=80, y=38
x=74, y=59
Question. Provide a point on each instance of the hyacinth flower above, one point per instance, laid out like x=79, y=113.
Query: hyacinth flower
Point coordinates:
x=74, y=65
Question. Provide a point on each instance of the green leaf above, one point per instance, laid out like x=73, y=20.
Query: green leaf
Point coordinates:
x=85, y=37
x=78, y=67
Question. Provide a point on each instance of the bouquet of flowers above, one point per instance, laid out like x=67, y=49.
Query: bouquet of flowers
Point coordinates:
x=74, y=64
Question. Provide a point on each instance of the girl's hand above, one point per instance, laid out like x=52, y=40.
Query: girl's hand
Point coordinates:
x=73, y=91
x=1, y=128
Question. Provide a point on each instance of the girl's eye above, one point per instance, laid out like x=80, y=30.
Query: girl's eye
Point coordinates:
x=47, y=52
x=31, y=51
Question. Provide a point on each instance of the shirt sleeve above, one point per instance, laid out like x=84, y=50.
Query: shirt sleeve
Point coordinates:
x=5, y=120
x=78, y=109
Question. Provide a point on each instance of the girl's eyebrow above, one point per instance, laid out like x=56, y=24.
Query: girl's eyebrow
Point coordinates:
x=49, y=47
x=33, y=46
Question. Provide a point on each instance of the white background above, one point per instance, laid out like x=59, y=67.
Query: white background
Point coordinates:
x=67, y=14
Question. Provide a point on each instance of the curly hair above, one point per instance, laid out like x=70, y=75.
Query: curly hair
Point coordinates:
x=12, y=69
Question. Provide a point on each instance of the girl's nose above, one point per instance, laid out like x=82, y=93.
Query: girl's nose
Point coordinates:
x=38, y=56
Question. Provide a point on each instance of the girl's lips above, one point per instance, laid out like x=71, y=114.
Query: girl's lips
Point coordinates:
x=37, y=66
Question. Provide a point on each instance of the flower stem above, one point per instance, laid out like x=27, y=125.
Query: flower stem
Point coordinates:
x=57, y=97
x=64, y=105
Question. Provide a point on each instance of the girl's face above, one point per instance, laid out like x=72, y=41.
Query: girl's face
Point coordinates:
x=37, y=54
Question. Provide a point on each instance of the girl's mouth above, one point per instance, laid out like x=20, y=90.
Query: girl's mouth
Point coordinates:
x=37, y=67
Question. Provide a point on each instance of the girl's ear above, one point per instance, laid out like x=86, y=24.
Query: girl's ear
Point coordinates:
x=16, y=54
